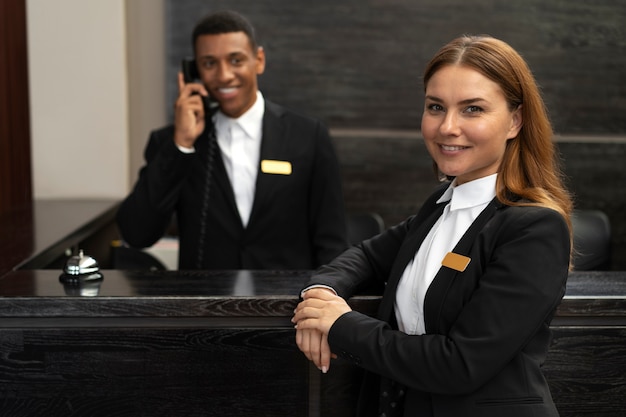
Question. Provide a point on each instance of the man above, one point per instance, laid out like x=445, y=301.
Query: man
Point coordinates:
x=268, y=196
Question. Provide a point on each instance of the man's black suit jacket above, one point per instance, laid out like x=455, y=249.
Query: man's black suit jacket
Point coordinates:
x=297, y=220
x=487, y=328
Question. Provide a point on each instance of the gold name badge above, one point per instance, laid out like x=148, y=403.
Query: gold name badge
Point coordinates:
x=269, y=166
x=456, y=261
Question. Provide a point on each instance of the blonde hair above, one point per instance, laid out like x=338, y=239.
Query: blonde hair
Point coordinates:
x=530, y=173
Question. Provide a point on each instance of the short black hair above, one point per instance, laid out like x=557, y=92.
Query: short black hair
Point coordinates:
x=226, y=21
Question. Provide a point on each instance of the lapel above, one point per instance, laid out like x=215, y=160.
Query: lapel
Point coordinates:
x=445, y=277
x=424, y=221
x=414, y=239
x=273, y=146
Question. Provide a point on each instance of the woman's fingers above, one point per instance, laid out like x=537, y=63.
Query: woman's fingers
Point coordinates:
x=325, y=354
x=319, y=313
x=308, y=309
x=314, y=345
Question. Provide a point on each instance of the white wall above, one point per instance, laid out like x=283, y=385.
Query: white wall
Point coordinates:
x=145, y=21
x=79, y=95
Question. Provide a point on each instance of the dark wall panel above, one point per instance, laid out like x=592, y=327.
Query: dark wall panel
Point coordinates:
x=358, y=63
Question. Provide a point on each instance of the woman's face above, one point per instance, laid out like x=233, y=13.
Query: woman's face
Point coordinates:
x=466, y=123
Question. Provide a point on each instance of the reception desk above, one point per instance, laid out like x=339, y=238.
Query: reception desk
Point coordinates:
x=181, y=343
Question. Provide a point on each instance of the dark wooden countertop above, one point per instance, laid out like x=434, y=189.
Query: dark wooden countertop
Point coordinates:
x=168, y=294
x=40, y=293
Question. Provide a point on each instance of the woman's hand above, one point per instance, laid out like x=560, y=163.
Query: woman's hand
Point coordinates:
x=314, y=345
x=313, y=318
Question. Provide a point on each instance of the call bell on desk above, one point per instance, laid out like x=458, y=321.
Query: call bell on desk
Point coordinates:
x=81, y=275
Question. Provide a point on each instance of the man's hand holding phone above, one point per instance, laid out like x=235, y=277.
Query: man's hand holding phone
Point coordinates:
x=189, y=112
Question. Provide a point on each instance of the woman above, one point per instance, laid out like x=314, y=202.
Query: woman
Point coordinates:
x=473, y=280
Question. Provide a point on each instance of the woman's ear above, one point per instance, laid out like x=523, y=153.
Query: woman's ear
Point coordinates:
x=516, y=122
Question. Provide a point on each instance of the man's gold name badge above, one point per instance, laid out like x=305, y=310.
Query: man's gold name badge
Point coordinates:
x=269, y=166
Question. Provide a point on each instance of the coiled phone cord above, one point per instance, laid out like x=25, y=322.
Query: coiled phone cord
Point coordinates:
x=206, y=195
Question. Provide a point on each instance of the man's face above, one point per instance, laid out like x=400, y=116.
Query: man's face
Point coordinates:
x=228, y=68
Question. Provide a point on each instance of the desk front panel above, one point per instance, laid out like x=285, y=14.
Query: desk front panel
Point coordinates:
x=198, y=344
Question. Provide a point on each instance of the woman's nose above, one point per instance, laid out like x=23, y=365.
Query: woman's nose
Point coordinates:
x=450, y=124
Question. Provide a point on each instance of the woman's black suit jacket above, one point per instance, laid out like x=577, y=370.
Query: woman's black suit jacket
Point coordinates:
x=297, y=221
x=487, y=328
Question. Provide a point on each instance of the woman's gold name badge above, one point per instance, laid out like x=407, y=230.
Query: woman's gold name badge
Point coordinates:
x=269, y=166
x=456, y=261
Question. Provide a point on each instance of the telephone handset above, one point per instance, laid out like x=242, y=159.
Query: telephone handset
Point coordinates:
x=190, y=71
x=191, y=75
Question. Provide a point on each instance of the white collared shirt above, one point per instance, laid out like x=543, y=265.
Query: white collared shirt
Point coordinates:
x=466, y=202
x=240, y=144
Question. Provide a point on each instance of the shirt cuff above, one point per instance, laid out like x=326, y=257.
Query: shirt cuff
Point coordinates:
x=310, y=287
x=185, y=150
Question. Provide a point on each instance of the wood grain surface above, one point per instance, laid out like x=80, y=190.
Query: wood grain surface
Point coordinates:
x=183, y=344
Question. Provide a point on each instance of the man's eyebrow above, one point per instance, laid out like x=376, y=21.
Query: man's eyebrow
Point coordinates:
x=229, y=55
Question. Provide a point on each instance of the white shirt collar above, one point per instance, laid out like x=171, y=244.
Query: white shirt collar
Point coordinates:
x=251, y=122
x=470, y=194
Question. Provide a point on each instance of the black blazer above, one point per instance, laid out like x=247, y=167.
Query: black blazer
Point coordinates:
x=487, y=328
x=297, y=221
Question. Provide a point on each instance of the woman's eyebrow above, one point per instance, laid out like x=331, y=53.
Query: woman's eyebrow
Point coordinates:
x=472, y=100
x=464, y=101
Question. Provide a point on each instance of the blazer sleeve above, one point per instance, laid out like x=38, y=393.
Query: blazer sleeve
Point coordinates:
x=365, y=265
x=369, y=264
x=520, y=281
x=147, y=211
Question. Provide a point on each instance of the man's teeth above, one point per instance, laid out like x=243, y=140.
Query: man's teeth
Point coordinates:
x=227, y=90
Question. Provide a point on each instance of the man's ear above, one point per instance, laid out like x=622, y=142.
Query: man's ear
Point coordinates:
x=260, y=60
